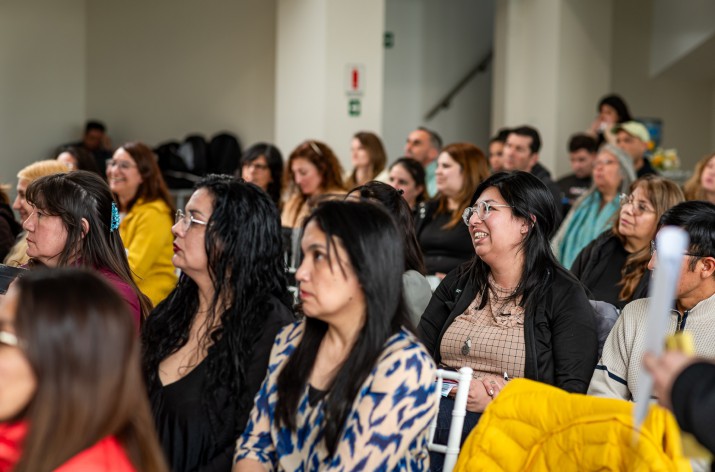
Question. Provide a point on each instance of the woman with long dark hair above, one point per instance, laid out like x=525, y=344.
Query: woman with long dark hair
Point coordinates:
x=408, y=175
x=262, y=165
x=206, y=346
x=71, y=393
x=416, y=288
x=74, y=222
x=368, y=158
x=349, y=363
x=514, y=311
x=146, y=211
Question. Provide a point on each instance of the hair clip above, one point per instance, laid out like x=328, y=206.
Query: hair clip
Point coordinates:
x=114, y=224
x=315, y=148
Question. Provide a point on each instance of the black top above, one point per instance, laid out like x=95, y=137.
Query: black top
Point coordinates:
x=572, y=188
x=198, y=429
x=599, y=267
x=443, y=249
x=9, y=229
x=646, y=169
x=560, y=337
x=693, y=398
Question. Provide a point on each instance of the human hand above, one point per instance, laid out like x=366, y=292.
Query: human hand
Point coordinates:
x=665, y=369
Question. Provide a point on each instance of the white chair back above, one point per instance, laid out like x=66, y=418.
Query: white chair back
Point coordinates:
x=451, y=450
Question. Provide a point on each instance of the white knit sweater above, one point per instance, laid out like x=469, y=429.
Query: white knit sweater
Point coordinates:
x=617, y=373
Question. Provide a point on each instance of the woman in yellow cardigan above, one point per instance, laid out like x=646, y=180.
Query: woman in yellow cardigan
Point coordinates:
x=146, y=211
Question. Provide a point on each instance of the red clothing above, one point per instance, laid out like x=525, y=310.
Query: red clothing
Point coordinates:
x=126, y=291
x=105, y=456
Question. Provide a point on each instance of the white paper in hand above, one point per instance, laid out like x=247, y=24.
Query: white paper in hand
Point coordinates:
x=671, y=243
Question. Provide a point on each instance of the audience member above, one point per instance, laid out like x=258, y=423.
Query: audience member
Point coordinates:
x=521, y=152
x=612, y=110
x=423, y=145
x=348, y=387
x=71, y=393
x=146, y=211
x=74, y=222
x=416, y=289
x=633, y=138
x=262, y=165
x=18, y=254
x=685, y=385
x=78, y=158
x=313, y=171
x=701, y=185
x=514, y=311
x=97, y=142
x=582, y=154
x=593, y=213
x=408, y=176
x=206, y=346
x=617, y=375
x=368, y=159
x=496, y=150
x=445, y=242
x=9, y=227
x=614, y=266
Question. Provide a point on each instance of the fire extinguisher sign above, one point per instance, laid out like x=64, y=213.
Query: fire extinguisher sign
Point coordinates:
x=354, y=80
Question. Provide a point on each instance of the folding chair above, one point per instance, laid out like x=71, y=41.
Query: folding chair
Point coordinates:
x=451, y=450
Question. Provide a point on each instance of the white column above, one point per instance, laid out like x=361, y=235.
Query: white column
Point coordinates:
x=317, y=40
x=552, y=64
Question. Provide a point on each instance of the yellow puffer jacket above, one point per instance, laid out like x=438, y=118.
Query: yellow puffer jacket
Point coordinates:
x=532, y=426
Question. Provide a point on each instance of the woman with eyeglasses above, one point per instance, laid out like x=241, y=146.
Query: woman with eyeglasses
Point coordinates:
x=514, y=311
x=594, y=211
x=444, y=240
x=262, y=165
x=146, y=210
x=313, y=171
x=77, y=158
x=74, y=222
x=72, y=397
x=614, y=266
x=206, y=346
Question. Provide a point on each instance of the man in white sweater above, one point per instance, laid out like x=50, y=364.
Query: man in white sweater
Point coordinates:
x=617, y=374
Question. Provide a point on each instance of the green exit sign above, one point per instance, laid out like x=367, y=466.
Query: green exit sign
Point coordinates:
x=354, y=107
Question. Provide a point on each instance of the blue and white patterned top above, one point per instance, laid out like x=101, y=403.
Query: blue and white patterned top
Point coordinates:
x=386, y=430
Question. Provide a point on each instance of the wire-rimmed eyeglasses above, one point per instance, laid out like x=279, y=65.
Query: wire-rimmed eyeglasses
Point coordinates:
x=638, y=208
x=482, y=209
x=187, y=220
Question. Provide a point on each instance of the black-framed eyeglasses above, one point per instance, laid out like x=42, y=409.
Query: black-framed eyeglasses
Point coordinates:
x=9, y=339
x=638, y=208
x=654, y=248
x=482, y=209
x=187, y=220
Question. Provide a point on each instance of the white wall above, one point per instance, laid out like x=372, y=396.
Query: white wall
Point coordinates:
x=161, y=69
x=678, y=28
x=436, y=44
x=683, y=104
x=317, y=39
x=42, y=59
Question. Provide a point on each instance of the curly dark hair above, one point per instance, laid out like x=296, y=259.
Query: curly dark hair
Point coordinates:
x=245, y=262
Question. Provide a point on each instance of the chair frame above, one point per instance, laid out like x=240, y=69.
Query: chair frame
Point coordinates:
x=451, y=450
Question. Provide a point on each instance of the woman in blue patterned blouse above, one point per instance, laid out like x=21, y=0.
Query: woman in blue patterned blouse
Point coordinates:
x=348, y=387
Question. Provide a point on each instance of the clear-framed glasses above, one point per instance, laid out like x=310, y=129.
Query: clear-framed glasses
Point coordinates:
x=638, y=208
x=8, y=339
x=482, y=209
x=123, y=165
x=187, y=220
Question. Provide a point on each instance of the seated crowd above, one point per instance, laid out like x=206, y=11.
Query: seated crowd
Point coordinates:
x=155, y=338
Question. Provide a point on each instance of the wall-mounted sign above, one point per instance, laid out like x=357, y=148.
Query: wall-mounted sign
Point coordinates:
x=354, y=107
x=354, y=79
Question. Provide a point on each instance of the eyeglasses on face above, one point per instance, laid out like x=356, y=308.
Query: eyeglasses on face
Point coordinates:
x=654, y=249
x=123, y=165
x=8, y=339
x=638, y=208
x=482, y=209
x=185, y=221
x=255, y=166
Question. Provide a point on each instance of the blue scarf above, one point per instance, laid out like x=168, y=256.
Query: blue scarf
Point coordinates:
x=585, y=225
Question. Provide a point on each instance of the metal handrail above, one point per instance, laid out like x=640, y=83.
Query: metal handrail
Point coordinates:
x=446, y=101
